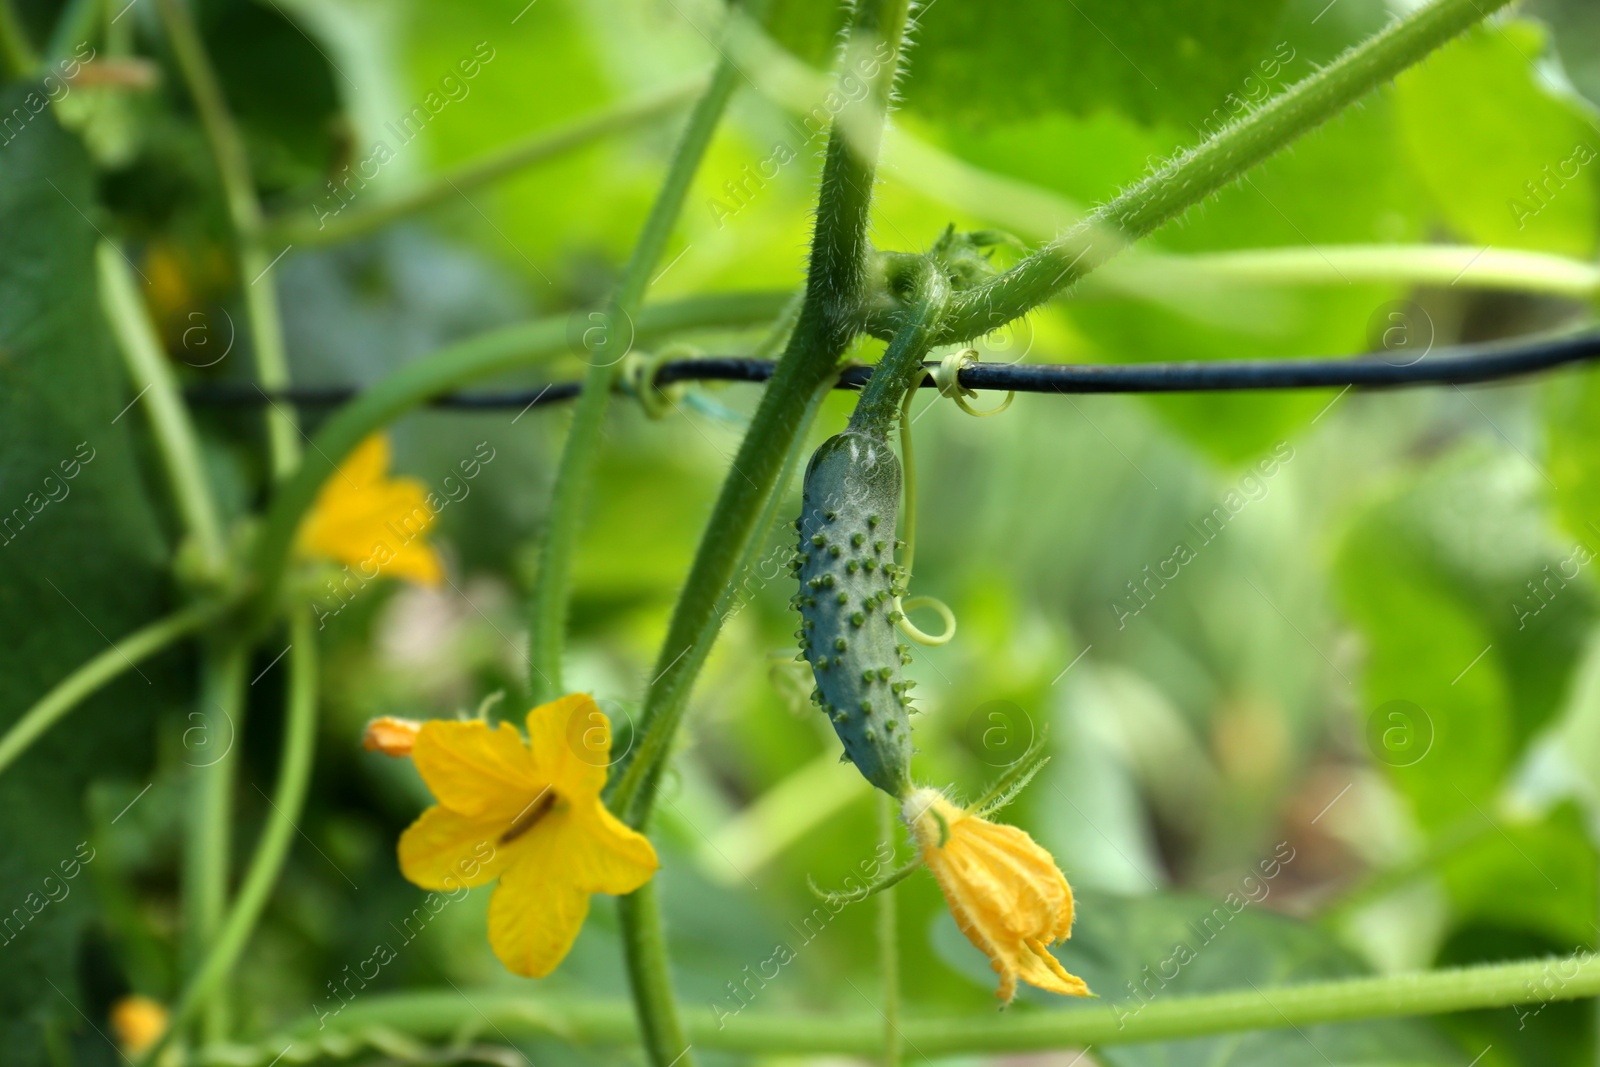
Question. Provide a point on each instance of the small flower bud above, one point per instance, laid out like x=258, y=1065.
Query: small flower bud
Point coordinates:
x=390, y=735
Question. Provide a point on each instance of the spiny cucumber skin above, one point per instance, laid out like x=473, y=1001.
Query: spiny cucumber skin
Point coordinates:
x=848, y=583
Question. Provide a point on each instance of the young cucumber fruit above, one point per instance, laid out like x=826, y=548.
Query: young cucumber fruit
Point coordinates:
x=848, y=585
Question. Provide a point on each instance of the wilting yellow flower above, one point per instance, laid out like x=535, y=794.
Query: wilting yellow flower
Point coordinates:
x=527, y=814
x=390, y=735
x=138, y=1022
x=372, y=522
x=1005, y=891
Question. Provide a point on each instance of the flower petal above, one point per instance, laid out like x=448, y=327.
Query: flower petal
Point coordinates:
x=372, y=522
x=475, y=770
x=368, y=462
x=605, y=854
x=571, y=742
x=535, y=915
x=446, y=850
x=416, y=561
x=1040, y=968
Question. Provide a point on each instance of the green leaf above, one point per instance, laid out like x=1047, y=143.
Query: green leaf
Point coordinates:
x=1334, y=188
x=1440, y=578
x=1174, y=60
x=1510, y=161
x=1535, y=877
x=1440, y=729
x=82, y=562
x=1136, y=950
x=1572, y=428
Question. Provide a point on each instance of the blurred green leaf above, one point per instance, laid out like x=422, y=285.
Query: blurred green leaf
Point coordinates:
x=1572, y=432
x=1510, y=161
x=1534, y=877
x=1137, y=950
x=1175, y=60
x=84, y=563
x=1440, y=728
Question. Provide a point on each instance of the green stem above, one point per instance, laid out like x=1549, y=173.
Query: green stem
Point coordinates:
x=534, y=149
x=244, y=211
x=1443, y=265
x=16, y=53
x=1171, y=1018
x=207, y=852
x=277, y=834
x=889, y=944
x=835, y=281
x=645, y=949
x=552, y=588
x=747, y=561
x=901, y=366
x=833, y=290
x=1208, y=167
x=152, y=376
x=450, y=368
x=83, y=682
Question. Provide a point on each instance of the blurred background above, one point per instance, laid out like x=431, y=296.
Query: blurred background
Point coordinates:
x=1347, y=638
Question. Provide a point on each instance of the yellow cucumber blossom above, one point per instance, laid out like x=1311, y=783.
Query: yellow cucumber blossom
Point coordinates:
x=138, y=1022
x=1005, y=891
x=372, y=522
x=528, y=813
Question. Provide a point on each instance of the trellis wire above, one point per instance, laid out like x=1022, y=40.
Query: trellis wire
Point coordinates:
x=1457, y=365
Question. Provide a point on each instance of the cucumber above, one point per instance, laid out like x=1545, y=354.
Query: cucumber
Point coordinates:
x=848, y=584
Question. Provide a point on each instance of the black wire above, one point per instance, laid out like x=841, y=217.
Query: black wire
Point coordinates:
x=1461, y=365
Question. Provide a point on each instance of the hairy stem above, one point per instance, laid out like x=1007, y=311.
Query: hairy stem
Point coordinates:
x=835, y=281
x=277, y=834
x=729, y=604
x=553, y=587
x=207, y=856
x=901, y=366
x=1206, y=168
x=534, y=149
x=889, y=944
x=450, y=368
x=152, y=376
x=1165, y=1018
x=87, y=679
x=244, y=211
x=645, y=950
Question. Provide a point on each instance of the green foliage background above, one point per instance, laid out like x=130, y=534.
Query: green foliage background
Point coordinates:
x=1387, y=556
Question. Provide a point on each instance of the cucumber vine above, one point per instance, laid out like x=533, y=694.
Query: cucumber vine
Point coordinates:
x=849, y=583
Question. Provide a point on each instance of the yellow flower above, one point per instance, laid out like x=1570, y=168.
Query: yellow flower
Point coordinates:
x=372, y=522
x=138, y=1022
x=1005, y=891
x=529, y=815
